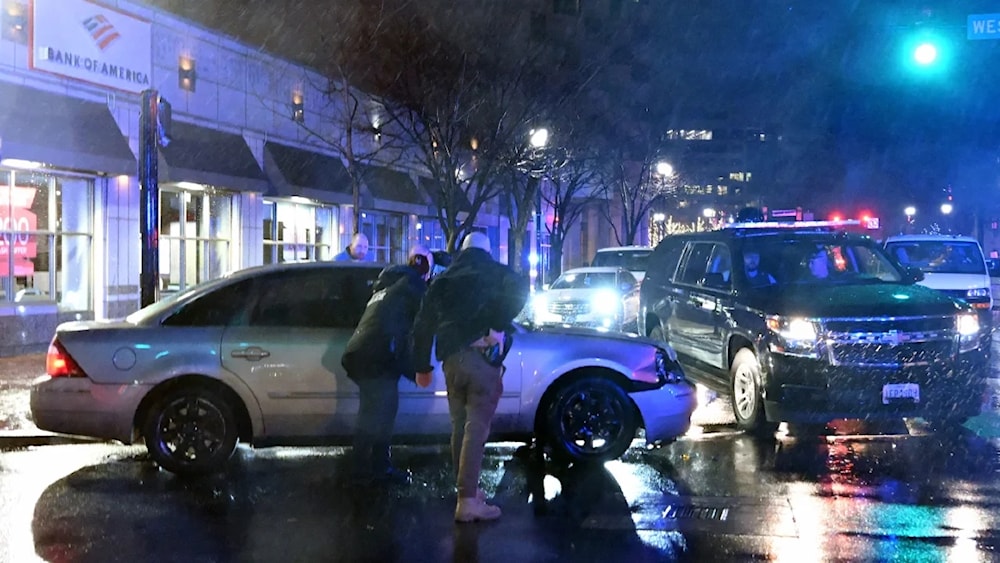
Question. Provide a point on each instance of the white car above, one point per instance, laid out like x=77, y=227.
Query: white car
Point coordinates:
x=255, y=357
x=603, y=298
x=632, y=258
x=950, y=263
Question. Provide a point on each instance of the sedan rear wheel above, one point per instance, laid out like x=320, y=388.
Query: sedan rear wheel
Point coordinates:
x=590, y=420
x=191, y=430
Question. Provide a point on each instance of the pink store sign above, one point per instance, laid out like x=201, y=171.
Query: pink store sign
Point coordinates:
x=17, y=221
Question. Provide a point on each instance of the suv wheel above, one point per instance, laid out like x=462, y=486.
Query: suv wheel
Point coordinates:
x=191, y=430
x=748, y=403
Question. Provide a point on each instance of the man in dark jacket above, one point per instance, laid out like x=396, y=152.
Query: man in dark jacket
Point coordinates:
x=378, y=353
x=469, y=309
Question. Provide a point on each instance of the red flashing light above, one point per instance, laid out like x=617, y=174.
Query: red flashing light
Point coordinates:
x=836, y=217
x=58, y=362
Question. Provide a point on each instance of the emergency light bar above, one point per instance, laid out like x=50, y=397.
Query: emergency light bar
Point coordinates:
x=794, y=224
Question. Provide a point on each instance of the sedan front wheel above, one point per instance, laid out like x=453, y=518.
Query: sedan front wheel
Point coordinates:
x=191, y=430
x=590, y=420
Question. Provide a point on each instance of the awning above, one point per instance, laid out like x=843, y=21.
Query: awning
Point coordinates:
x=61, y=131
x=295, y=171
x=206, y=156
x=390, y=185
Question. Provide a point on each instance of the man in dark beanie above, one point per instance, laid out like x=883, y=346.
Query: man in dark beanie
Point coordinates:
x=469, y=309
x=378, y=353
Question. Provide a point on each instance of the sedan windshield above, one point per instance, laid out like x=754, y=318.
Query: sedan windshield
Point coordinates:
x=823, y=262
x=585, y=280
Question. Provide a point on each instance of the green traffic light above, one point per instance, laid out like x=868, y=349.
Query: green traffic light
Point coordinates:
x=925, y=54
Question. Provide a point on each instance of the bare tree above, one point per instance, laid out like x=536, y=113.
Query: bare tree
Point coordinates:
x=571, y=190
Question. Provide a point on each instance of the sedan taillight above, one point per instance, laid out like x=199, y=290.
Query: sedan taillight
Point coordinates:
x=58, y=362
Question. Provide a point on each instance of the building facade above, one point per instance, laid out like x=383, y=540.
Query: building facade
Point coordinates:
x=246, y=178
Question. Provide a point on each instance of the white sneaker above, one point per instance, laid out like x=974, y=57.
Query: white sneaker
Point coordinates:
x=473, y=509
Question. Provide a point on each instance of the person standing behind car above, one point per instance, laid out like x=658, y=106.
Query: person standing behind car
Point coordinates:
x=469, y=308
x=356, y=251
x=378, y=353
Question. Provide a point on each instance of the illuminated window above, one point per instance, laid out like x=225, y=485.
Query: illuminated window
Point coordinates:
x=46, y=234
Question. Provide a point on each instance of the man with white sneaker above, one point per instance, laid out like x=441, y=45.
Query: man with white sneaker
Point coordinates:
x=469, y=309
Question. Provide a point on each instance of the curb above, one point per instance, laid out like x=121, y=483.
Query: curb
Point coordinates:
x=15, y=439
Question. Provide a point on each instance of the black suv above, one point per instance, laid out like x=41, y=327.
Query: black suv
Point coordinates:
x=805, y=324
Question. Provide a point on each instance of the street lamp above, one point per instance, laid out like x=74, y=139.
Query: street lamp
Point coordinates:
x=538, y=139
x=946, y=208
x=909, y=211
x=664, y=168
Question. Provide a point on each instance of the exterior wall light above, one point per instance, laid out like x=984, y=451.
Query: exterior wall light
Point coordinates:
x=298, y=108
x=187, y=76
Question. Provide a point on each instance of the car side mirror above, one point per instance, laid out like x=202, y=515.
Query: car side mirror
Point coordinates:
x=914, y=274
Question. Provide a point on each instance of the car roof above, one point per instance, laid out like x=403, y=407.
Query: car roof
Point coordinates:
x=930, y=237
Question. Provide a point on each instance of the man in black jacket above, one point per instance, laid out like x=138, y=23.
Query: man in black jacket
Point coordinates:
x=469, y=309
x=378, y=353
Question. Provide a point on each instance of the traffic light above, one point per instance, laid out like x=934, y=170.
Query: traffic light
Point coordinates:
x=926, y=53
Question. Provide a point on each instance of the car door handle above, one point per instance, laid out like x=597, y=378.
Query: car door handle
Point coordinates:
x=253, y=353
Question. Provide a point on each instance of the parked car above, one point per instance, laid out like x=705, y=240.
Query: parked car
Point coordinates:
x=603, y=298
x=255, y=357
x=952, y=264
x=632, y=258
x=834, y=328
x=993, y=266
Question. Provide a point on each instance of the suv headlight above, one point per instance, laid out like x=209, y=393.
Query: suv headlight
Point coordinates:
x=967, y=326
x=539, y=304
x=794, y=335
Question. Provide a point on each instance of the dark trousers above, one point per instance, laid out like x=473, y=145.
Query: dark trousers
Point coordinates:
x=373, y=432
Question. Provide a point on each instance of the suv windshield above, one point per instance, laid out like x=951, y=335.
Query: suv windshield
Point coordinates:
x=632, y=260
x=941, y=257
x=816, y=261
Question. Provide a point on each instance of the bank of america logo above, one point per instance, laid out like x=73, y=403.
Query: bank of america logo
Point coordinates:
x=101, y=31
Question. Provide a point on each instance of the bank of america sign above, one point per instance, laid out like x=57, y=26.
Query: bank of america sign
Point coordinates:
x=87, y=41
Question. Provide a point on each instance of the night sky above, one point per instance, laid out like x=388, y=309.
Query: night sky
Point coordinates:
x=830, y=76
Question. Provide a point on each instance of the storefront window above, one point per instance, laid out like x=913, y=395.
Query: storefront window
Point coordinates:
x=385, y=236
x=196, y=248
x=296, y=231
x=46, y=235
x=430, y=233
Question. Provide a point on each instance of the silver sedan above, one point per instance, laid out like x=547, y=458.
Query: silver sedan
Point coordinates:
x=255, y=357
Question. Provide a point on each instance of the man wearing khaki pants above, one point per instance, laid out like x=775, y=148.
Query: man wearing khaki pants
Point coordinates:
x=469, y=309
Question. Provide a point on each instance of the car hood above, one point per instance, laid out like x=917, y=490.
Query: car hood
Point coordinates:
x=855, y=300
x=556, y=332
x=553, y=295
x=945, y=281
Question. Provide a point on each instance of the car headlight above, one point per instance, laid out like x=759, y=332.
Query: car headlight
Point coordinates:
x=967, y=324
x=605, y=302
x=540, y=304
x=794, y=335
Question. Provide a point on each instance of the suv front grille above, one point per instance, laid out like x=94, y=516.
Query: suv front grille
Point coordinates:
x=569, y=307
x=911, y=341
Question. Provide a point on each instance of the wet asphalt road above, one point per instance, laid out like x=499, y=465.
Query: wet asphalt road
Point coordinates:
x=896, y=492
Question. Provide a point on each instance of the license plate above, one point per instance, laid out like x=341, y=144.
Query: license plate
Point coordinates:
x=900, y=391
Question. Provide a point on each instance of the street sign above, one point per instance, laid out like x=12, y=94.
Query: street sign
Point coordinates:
x=983, y=26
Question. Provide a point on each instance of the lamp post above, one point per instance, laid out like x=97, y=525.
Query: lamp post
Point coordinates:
x=909, y=211
x=538, y=138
